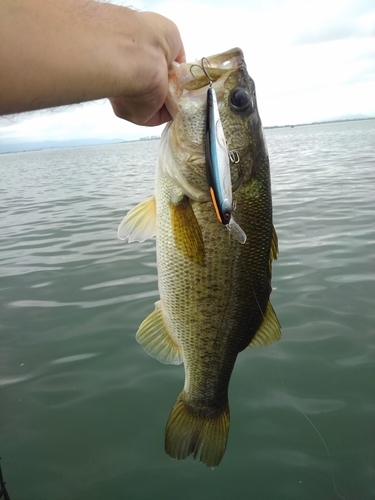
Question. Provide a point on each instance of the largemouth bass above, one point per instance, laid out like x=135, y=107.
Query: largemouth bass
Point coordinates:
x=214, y=291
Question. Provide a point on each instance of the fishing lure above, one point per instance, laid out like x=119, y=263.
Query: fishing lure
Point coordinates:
x=218, y=165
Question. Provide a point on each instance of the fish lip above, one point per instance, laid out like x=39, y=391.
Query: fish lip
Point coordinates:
x=233, y=56
x=180, y=76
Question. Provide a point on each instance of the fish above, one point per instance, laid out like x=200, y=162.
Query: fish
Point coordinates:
x=214, y=290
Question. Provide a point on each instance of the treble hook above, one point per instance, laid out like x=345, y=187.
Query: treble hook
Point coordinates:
x=210, y=81
x=234, y=156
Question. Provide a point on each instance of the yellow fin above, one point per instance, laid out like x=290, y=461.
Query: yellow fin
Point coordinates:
x=274, y=245
x=274, y=250
x=269, y=331
x=186, y=231
x=191, y=433
x=155, y=339
x=140, y=223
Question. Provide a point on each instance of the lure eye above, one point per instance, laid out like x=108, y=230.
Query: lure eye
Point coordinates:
x=240, y=101
x=226, y=218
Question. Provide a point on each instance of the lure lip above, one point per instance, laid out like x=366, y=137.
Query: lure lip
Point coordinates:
x=237, y=231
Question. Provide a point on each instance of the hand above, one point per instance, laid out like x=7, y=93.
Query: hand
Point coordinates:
x=145, y=103
x=61, y=53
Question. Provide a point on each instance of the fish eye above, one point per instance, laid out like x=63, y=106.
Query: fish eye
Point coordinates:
x=240, y=101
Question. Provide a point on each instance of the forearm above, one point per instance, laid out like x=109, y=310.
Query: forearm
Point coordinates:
x=57, y=52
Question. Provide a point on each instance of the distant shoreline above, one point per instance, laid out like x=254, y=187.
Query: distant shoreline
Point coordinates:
x=293, y=125
x=14, y=148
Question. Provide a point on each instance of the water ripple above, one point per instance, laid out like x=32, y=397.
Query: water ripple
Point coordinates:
x=75, y=385
x=73, y=359
x=85, y=305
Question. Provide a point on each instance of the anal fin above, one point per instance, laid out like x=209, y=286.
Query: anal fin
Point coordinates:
x=156, y=340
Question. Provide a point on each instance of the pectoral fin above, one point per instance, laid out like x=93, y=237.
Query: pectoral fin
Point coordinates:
x=269, y=331
x=140, y=223
x=186, y=231
x=156, y=340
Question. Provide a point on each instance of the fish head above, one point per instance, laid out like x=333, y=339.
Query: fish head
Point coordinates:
x=187, y=102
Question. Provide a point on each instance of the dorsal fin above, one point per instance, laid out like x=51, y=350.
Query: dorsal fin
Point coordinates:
x=269, y=331
x=274, y=250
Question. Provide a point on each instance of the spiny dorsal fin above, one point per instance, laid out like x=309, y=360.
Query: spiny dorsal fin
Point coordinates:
x=274, y=250
x=186, y=231
x=274, y=246
x=140, y=223
x=269, y=331
x=156, y=340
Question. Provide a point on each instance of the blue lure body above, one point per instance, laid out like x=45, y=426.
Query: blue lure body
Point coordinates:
x=218, y=168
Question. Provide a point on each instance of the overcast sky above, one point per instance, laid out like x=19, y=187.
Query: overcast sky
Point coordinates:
x=311, y=60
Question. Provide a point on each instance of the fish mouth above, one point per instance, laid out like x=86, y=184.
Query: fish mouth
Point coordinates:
x=231, y=59
x=213, y=68
x=193, y=76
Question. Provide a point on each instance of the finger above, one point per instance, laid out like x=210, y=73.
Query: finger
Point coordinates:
x=162, y=116
x=134, y=113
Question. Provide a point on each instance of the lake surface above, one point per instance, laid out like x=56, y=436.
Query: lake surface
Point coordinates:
x=83, y=408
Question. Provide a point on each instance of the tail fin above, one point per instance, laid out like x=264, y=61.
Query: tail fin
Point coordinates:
x=198, y=434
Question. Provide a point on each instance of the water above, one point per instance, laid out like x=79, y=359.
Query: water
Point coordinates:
x=83, y=407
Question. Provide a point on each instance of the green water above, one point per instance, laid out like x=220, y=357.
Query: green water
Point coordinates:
x=83, y=407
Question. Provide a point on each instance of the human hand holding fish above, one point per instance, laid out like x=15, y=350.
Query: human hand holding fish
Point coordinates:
x=55, y=53
x=214, y=284
x=147, y=107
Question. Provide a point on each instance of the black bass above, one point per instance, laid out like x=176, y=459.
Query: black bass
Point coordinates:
x=214, y=291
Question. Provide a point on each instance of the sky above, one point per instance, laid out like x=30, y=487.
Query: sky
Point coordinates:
x=311, y=60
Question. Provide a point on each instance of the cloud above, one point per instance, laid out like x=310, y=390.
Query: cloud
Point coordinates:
x=94, y=120
x=364, y=74
x=310, y=61
x=347, y=20
x=338, y=30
